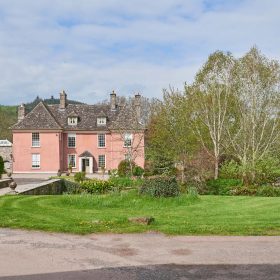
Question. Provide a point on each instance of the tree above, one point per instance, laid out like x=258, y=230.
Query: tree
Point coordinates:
x=254, y=132
x=210, y=96
x=170, y=137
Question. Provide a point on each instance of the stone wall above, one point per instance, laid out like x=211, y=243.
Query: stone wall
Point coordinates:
x=5, y=153
x=55, y=186
x=5, y=183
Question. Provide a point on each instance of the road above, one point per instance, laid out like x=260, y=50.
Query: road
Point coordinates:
x=37, y=255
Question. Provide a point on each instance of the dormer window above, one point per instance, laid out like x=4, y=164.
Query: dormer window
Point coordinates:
x=101, y=121
x=72, y=120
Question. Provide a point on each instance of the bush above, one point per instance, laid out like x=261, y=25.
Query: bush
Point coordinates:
x=80, y=177
x=230, y=170
x=160, y=187
x=137, y=171
x=1, y=167
x=95, y=186
x=268, y=191
x=72, y=187
x=124, y=168
x=221, y=186
x=124, y=182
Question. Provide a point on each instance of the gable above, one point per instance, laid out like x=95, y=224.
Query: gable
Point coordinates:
x=39, y=118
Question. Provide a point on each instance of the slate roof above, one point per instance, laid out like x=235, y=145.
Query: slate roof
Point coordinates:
x=51, y=117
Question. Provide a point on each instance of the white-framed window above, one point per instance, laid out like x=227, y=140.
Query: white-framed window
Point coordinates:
x=101, y=161
x=128, y=140
x=101, y=141
x=71, y=140
x=72, y=161
x=35, y=139
x=72, y=120
x=36, y=160
x=101, y=121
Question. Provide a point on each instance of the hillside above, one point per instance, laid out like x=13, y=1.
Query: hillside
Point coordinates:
x=8, y=114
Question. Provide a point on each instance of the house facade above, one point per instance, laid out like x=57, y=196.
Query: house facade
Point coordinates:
x=82, y=137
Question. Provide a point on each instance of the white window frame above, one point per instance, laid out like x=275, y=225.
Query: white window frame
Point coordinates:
x=98, y=140
x=69, y=160
x=99, y=167
x=35, y=142
x=72, y=120
x=128, y=137
x=101, y=121
x=36, y=158
x=71, y=135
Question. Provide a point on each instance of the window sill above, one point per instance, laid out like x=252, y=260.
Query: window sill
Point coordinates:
x=35, y=146
x=101, y=147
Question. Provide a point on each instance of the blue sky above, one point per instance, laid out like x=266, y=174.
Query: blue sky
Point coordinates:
x=91, y=47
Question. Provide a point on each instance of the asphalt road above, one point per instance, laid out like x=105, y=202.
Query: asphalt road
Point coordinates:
x=165, y=272
x=31, y=255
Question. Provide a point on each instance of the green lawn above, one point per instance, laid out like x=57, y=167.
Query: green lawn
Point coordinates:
x=207, y=215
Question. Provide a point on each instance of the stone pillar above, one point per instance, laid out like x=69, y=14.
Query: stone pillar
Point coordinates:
x=63, y=100
x=21, y=112
x=113, y=101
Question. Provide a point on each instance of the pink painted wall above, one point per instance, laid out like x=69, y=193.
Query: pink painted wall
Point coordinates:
x=114, y=151
x=54, y=151
x=23, y=150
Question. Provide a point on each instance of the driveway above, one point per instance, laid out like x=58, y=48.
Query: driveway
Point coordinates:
x=136, y=256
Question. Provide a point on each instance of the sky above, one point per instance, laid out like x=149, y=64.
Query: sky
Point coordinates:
x=91, y=47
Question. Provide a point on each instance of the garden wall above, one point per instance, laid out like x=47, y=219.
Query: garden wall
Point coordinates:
x=5, y=183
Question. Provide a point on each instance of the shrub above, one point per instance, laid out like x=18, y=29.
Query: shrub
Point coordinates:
x=268, y=191
x=72, y=187
x=221, y=186
x=124, y=168
x=1, y=167
x=160, y=187
x=230, y=170
x=124, y=182
x=95, y=186
x=80, y=177
x=137, y=171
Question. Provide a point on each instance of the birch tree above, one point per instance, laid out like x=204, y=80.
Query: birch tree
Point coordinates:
x=210, y=97
x=254, y=130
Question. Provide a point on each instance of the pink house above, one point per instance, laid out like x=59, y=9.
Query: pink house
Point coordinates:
x=86, y=137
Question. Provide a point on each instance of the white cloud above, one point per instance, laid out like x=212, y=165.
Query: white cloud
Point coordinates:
x=91, y=47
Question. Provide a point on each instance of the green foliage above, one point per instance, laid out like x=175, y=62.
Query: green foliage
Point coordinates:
x=124, y=168
x=1, y=167
x=124, y=182
x=160, y=186
x=95, y=186
x=221, y=186
x=230, y=169
x=80, y=177
x=269, y=191
x=71, y=187
x=137, y=171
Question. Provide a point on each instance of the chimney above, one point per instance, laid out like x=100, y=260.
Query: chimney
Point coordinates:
x=137, y=103
x=113, y=101
x=21, y=112
x=63, y=100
